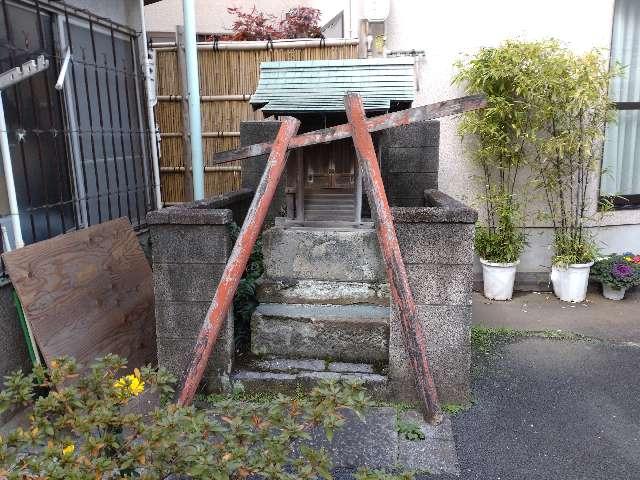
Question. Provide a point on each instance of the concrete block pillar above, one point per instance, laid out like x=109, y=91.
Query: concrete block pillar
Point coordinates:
x=409, y=162
x=252, y=168
x=436, y=242
x=190, y=247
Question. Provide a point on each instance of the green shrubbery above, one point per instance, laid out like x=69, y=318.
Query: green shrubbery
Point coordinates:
x=84, y=428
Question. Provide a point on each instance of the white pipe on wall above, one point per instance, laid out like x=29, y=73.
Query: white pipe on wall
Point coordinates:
x=8, y=177
x=193, y=91
x=151, y=116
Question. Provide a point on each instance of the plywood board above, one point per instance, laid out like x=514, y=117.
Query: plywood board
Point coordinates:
x=87, y=293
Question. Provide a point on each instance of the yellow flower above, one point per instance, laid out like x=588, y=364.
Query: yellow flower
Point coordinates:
x=628, y=259
x=130, y=385
x=68, y=450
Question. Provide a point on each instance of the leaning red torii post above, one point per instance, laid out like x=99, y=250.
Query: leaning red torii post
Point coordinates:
x=223, y=298
x=412, y=331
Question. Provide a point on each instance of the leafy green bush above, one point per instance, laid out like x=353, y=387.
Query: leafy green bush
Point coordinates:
x=618, y=271
x=504, y=241
x=85, y=429
x=409, y=430
x=245, y=300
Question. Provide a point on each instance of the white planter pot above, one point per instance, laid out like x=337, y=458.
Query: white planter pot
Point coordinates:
x=570, y=282
x=498, y=279
x=613, y=293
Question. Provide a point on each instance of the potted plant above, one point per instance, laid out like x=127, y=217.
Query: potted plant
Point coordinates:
x=617, y=273
x=497, y=135
x=570, y=106
x=499, y=245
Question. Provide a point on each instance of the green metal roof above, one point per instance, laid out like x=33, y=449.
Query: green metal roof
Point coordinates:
x=320, y=85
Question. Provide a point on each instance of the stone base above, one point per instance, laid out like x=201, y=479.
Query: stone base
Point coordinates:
x=347, y=333
x=316, y=292
x=283, y=375
x=298, y=253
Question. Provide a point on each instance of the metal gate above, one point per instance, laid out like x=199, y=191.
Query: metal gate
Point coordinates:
x=79, y=142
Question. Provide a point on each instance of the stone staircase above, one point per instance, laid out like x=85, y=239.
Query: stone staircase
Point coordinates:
x=323, y=314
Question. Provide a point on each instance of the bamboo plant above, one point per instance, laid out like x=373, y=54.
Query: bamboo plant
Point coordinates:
x=546, y=114
x=497, y=135
x=570, y=109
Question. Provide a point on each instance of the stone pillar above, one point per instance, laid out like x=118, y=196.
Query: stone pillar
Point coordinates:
x=436, y=242
x=252, y=168
x=409, y=162
x=190, y=247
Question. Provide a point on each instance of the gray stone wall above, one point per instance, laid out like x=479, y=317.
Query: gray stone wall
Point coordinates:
x=436, y=242
x=190, y=246
x=409, y=162
x=252, y=168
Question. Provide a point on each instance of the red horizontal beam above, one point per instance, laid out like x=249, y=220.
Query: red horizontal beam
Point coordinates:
x=374, y=124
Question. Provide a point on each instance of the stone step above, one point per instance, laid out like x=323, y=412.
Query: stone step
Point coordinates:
x=319, y=292
x=322, y=254
x=346, y=333
x=288, y=375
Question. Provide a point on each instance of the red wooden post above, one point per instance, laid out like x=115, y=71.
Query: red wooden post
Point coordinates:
x=412, y=332
x=234, y=269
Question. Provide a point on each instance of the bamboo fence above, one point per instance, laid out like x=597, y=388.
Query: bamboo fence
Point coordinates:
x=230, y=77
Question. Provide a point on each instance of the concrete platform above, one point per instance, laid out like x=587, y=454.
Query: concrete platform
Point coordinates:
x=317, y=292
x=595, y=317
x=375, y=443
x=348, y=333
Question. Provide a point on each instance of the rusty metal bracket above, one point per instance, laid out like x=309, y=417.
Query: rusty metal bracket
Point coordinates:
x=237, y=263
x=412, y=331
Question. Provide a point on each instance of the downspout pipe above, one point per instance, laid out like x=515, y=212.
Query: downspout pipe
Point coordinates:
x=151, y=118
x=8, y=177
x=193, y=91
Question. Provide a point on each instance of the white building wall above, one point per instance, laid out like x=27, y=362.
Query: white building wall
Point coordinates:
x=124, y=12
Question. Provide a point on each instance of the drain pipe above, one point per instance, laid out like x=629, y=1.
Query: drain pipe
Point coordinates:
x=8, y=176
x=151, y=116
x=193, y=92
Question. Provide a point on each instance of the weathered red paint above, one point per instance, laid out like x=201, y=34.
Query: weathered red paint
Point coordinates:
x=237, y=263
x=412, y=331
x=382, y=122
